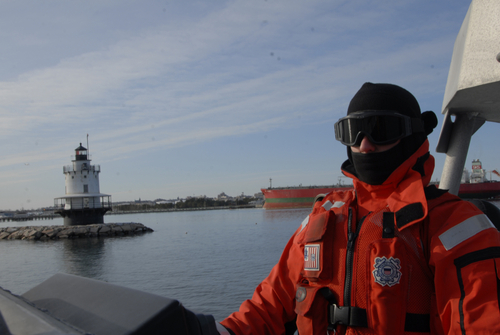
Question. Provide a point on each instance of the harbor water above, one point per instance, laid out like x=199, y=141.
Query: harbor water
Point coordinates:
x=208, y=260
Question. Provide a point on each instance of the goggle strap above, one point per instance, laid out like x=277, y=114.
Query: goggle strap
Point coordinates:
x=417, y=125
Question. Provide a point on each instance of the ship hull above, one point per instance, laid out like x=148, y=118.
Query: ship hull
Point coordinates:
x=295, y=197
x=479, y=190
x=303, y=197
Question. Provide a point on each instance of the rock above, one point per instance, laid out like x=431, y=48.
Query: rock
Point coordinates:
x=31, y=234
x=17, y=235
x=50, y=233
x=80, y=231
x=104, y=229
x=127, y=228
x=63, y=232
x=116, y=229
x=94, y=229
x=34, y=235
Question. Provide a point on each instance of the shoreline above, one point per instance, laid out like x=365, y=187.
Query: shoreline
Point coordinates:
x=163, y=210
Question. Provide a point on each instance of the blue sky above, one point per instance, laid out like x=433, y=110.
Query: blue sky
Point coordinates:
x=183, y=98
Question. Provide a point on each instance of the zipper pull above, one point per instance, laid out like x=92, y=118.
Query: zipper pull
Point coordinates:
x=350, y=239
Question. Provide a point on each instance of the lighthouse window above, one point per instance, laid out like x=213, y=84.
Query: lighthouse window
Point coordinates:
x=85, y=188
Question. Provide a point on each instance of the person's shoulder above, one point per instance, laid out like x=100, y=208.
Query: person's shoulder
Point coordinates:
x=433, y=193
x=336, y=198
x=447, y=210
x=441, y=201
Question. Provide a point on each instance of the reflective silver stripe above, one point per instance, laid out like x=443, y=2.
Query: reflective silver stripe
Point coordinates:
x=464, y=230
x=338, y=204
x=304, y=223
x=327, y=205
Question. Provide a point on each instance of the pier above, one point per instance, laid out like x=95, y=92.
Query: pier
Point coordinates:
x=26, y=217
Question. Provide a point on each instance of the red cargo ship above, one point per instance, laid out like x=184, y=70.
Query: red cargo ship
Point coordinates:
x=476, y=185
x=473, y=186
x=295, y=197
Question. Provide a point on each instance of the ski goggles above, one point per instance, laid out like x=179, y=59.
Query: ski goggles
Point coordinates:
x=381, y=127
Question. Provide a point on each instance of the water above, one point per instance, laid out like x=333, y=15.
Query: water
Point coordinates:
x=209, y=260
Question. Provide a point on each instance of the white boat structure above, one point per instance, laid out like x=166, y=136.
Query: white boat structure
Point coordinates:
x=471, y=95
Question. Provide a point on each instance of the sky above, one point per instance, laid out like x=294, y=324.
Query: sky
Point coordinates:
x=189, y=98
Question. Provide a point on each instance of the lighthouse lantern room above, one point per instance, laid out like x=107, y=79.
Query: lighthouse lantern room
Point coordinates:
x=82, y=203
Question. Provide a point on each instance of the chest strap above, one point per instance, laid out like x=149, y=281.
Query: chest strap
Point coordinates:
x=356, y=317
x=343, y=315
x=348, y=316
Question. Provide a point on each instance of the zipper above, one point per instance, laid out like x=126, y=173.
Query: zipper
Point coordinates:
x=349, y=262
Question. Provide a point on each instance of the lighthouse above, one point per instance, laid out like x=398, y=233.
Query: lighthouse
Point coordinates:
x=82, y=203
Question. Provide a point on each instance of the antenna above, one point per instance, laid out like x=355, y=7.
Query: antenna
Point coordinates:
x=88, y=150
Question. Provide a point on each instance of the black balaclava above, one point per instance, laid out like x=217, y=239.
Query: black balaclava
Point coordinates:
x=375, y=168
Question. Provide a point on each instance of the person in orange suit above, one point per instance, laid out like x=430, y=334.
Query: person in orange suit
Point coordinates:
x=395, y=255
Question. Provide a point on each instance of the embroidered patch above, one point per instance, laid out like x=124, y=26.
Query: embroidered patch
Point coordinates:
x=387, y=271
x=311, y=257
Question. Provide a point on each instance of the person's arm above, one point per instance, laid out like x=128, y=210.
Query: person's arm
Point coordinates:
x=222, y=330
x=465, y=257
x=273, y=301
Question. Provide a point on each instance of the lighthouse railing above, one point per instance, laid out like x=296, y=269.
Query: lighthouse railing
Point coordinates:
x=93, y=168
x=83, y=202
x=68, y=168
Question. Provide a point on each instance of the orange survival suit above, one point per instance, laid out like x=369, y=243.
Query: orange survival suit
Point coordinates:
x=398, y=258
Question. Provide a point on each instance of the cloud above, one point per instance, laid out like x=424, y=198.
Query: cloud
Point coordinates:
x=140, y=78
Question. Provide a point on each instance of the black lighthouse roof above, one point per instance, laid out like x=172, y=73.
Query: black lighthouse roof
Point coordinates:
x=81, y=147
x=81, y=153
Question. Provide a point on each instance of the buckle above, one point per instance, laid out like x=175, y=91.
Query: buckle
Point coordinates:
x=347, y=316
x=338, y=315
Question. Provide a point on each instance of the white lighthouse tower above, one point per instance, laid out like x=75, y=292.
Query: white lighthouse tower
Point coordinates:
x=83, y=203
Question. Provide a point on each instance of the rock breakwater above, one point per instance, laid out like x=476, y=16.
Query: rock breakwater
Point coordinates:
x=68, y=232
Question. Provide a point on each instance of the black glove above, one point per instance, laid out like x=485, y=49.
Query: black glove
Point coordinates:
x=198, y=324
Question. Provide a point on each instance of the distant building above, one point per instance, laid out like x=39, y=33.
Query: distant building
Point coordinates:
x=259, y=196
x=82, y=203
x=223, y=196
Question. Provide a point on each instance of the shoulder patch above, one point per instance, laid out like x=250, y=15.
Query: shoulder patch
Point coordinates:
x=465, y=230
